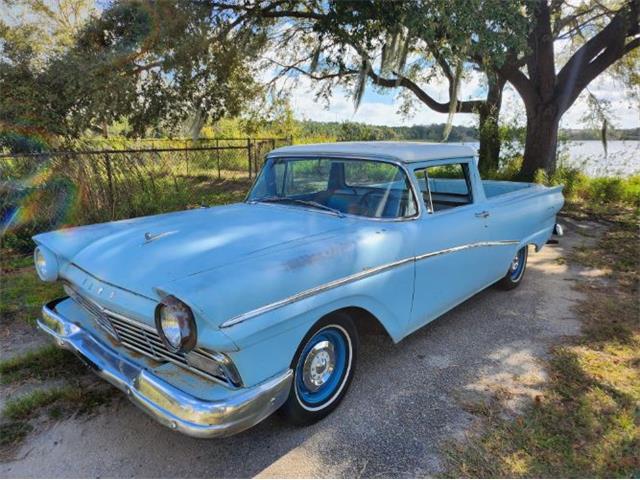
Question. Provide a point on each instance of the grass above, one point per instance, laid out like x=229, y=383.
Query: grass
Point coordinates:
x=58, y=401
x=587, y=424
x=22, y=293
x=42, y=364
x=11, y=434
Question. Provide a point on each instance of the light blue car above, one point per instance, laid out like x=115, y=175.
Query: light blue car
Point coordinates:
x=211, y=319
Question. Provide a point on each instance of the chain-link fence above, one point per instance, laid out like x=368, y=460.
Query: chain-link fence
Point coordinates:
x=43, y=191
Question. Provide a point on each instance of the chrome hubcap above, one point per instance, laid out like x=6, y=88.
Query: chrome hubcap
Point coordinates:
x=515, y=263
x=319, y=365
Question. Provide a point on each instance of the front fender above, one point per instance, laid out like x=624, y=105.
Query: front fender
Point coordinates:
x=268, y=342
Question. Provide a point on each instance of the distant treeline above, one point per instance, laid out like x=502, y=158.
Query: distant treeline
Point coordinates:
x=595, y=134
x=345, y=131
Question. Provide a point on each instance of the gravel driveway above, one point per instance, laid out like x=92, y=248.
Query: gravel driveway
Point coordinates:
x=405, y=401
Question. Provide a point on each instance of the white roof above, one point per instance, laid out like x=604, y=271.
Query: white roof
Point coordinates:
x=402, y=151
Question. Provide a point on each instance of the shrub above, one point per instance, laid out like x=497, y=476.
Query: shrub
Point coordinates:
x=575, y=182
x=606, y=190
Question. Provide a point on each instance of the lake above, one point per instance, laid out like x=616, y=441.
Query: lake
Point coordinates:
x=623, y=157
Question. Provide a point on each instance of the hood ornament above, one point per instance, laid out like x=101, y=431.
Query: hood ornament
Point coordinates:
x=150, y=237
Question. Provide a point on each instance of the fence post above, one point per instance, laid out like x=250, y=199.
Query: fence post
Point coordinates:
x=186, y=156
x=249, y=155
x=218, y=156
x=112, y=204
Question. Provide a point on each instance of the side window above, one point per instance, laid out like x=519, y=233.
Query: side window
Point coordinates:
x=445, y=186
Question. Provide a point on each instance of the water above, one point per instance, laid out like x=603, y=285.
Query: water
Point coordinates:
x=623, y=157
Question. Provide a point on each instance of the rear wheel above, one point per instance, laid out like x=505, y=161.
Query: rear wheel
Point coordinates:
x=323, y=367
x=516, y=270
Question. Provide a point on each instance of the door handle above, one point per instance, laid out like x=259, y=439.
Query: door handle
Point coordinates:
x=483, y=214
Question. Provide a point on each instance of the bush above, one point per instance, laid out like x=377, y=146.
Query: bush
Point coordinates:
x=577, y=185
x=606, y=190
x=575, y=182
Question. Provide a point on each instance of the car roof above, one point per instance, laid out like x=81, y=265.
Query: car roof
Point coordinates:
x=406, y=152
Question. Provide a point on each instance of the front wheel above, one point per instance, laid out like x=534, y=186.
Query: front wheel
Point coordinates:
x=323, y=367
x=516, y=270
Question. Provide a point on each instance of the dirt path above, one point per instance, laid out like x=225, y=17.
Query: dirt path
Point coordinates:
x=405, y=401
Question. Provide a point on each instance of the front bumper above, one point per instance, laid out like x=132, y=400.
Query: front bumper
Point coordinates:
x=167, y=404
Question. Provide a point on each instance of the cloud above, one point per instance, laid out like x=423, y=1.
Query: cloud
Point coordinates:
x=382, y=108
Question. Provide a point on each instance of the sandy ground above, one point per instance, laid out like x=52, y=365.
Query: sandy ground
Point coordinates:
x=406, y=400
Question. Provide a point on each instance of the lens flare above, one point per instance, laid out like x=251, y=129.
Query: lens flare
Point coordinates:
x=39, y=198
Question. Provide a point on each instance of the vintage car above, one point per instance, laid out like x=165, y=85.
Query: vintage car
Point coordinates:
x=211, y=319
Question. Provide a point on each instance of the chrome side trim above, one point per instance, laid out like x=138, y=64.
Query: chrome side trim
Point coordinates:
x=355, y=277
x=167, y=404
x=314, y=291
x=499, y=243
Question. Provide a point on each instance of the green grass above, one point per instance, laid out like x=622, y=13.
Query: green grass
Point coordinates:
x=22, y=293
x=587, y=423
x=44, y=363
x=11, y=434
x=72, y=398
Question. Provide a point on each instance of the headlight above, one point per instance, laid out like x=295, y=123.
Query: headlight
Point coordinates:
x=46, y=264
x=175, y=324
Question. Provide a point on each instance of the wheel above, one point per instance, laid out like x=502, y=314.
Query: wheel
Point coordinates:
x=516, y=270
x=323, y=367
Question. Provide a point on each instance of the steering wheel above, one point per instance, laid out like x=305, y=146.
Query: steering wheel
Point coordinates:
x=364, y=201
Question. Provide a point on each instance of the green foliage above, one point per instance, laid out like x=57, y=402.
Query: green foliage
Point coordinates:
x=361, y=131
x=577, y=185
x=69, y=398
x=47, y=362
x=147, y=64
x=575, y=182
x=22, y=293
x=615, y=190
x=12, y=433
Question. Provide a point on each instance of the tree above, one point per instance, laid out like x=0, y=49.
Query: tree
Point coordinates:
x=605, y=34
x=150, y=64
x=397, y=45
x=510, y=41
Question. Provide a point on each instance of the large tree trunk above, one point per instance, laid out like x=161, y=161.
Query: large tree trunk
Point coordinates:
x=541, y=140
x=489, y=112
x=548, y=95
x=542, y=109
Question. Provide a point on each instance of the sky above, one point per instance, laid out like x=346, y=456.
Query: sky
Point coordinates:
x=382, y=108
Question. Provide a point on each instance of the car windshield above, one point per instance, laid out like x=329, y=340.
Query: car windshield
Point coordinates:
x=367, y=188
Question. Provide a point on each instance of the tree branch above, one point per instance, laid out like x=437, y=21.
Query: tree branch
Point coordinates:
x=467, y=106
x=607, y=58
x=521, y=83
x=597, y=54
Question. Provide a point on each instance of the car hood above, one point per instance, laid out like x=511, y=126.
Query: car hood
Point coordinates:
x=140, y=254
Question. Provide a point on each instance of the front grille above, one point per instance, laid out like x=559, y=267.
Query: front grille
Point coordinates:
x=142, y=338
x=93, y=308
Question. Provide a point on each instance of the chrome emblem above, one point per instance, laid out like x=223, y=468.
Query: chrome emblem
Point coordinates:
x=150, y=237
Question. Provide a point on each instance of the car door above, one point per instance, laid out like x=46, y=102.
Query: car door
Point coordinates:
x=450, y=262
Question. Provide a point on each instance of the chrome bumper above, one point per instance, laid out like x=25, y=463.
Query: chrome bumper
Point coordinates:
x=170, y=406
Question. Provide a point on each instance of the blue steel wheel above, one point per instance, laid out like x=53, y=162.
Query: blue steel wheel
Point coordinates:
x=323, y=369
x=516, y=270
x=517, y=265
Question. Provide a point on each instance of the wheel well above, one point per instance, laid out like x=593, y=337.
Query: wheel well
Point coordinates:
x=366, y=322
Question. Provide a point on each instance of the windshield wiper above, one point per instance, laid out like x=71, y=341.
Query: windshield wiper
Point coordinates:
x=309, y=203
